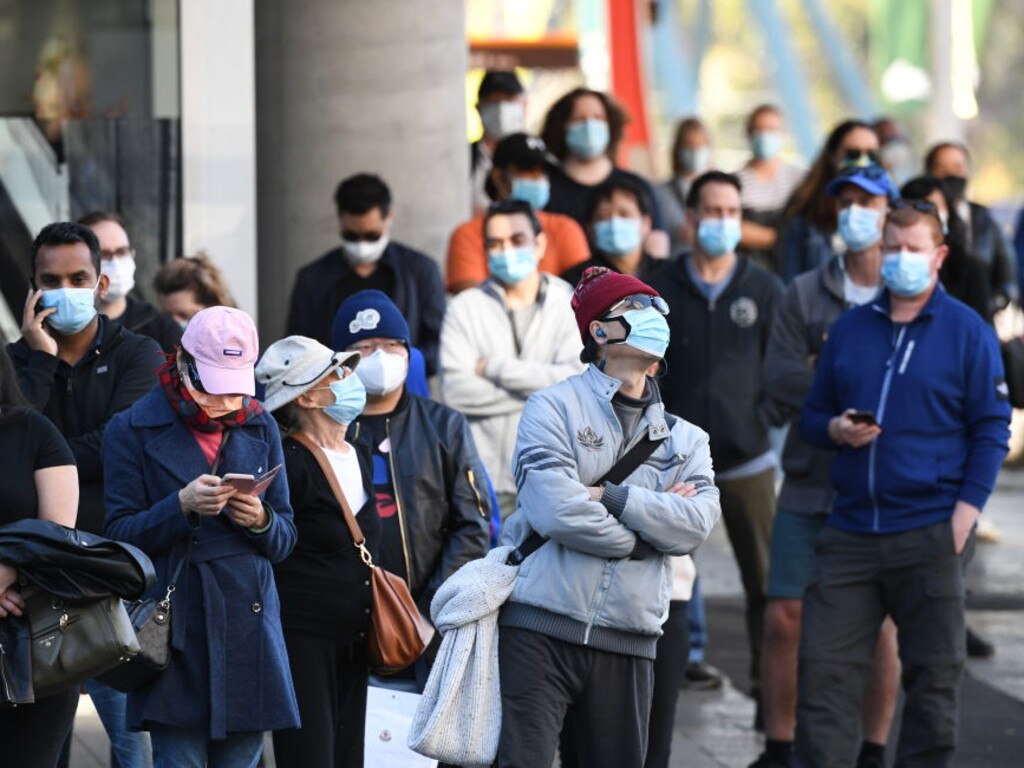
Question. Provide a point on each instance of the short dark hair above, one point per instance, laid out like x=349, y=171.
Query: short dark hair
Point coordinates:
x=513, y=207
x=93, y=218
x=711, y=177
x=759, y=110
x=933, y=153
x=362, y=193
x=607, y=189
x=66, y=233
x=499, y=81
x=557, y=119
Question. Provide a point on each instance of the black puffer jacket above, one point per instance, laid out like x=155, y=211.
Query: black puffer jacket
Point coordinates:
x=440, y=492
x=715, y=356
x=117, y=370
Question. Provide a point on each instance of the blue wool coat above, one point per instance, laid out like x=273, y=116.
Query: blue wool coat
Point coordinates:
x=229, y=667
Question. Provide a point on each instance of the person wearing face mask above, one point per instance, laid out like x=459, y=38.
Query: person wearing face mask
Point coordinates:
x=691, y=156
x=521, y=165
x=950, y=162
x=506, y=339
x=501, y=104
x=768, y=181
x=429, y=484
x=369, y=260
x=807, y=235
x=619, y=222
x=723, y=305
x=811, y=304
x=164, y=462
x=911, y=477
x=122, y=302
x=583, y=130
x=579, y=635
x=325, y=598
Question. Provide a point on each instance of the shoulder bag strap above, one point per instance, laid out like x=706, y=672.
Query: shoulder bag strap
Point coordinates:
x=622, y=469
x=350, y=519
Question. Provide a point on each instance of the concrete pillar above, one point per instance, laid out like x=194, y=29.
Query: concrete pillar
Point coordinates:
x=344, y=86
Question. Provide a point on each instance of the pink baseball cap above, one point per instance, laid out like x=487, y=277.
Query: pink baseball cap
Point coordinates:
x=224, y=344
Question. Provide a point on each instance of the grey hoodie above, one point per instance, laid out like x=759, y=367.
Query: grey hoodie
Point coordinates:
x=811, y=304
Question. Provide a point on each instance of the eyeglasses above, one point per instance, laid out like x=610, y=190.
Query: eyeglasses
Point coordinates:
x=640, y=301
x=858, y=157
x=366, y=348
x=364, y=237
x=117, y=253
x=921, y=206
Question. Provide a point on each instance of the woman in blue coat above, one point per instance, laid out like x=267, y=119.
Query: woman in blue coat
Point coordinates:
x=163, y=459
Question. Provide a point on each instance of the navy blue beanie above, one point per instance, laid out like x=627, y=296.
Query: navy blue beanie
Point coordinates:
x=367, y=315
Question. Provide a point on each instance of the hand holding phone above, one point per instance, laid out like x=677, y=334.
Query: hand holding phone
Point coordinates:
x=854, y=428
x=251, y=485
x=36, y=335
x=862, y=417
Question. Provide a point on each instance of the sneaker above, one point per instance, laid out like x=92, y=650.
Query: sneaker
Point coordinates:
x=978, y=647
x=701, y=677
x=769, y=761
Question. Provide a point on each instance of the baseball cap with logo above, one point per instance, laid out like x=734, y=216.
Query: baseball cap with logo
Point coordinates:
x=224, y=344
x=368, y=315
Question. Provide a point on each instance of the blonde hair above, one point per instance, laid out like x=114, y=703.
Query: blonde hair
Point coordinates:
x=197, y=274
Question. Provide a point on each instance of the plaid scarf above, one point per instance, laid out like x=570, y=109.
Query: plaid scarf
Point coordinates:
x=181, y=402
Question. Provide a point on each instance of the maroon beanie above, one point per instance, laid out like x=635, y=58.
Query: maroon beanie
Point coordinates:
x=599, y=289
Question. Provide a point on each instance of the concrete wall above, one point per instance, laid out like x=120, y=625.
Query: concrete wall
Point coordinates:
x=344, y=86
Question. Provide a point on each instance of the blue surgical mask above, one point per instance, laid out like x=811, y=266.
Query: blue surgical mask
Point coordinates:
x=536, y=192
x=717, y=237
x=587, y=138
x=513, y=265
x=76, y=307
x=766, y=145
x=694, y=159
x=617, y=236
x=349, y=399
x=648, y=331
x=906, y=273
x=859, y=227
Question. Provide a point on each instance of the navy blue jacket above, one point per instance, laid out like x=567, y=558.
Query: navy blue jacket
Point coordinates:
x=936, y=388
x=229, y=667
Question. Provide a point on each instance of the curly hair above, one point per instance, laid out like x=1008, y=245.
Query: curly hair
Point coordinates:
x=557, y=119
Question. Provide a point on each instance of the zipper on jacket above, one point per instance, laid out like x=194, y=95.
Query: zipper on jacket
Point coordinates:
x=3, y=675
x=476, y=494
x=398, y=502
x=890, y=367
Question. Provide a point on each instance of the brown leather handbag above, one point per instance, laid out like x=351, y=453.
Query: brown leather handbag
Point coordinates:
x=398, y=632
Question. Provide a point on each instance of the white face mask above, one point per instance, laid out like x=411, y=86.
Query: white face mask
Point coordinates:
x=503, y=118
x=362, y=252
x=382, y=372
x=121, y=273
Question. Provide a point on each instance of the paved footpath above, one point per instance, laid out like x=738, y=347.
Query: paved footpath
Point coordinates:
x=713, y=729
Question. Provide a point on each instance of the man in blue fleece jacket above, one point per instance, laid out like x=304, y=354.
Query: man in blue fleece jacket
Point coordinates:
x=910, y=389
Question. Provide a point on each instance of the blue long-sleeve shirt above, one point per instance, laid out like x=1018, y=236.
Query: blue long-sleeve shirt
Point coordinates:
x=937, y=389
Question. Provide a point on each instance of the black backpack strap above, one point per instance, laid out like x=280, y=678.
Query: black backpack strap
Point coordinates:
x=622, y=469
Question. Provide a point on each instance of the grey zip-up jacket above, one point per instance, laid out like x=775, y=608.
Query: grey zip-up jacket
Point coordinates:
x=811, y=304
x=604, y=578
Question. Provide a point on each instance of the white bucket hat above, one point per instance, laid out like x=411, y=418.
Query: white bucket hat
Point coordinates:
x=294, y=365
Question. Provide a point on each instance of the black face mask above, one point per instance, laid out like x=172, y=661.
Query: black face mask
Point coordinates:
x=954, y=187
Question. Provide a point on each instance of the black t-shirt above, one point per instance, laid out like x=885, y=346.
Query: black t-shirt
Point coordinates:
x=573, y=199
x=143, y=318
x=392, y=555
x=28, y=441
x=382, y=279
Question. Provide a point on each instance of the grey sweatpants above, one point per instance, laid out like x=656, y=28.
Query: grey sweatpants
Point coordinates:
x=915, y=577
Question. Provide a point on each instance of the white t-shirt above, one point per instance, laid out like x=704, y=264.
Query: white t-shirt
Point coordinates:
x=857, y=294
x=349, y=475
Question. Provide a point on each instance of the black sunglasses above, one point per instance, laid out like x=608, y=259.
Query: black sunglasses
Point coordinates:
x=365, y=237
x=640, y=301
x=859, y=157
x=872, y=171
x=921, y=206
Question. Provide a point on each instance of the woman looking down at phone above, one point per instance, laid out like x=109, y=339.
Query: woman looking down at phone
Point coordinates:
x=228, y=680
x=324, y=586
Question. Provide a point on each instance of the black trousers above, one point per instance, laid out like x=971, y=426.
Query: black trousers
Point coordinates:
x=543, y=681
x=33, y=735
x=330, y=684
x=917, y=578
x=669, y=669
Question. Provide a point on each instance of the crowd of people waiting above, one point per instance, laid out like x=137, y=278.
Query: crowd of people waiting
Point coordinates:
x=590, y=312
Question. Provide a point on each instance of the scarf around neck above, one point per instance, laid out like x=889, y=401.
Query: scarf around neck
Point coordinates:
x=181, y=402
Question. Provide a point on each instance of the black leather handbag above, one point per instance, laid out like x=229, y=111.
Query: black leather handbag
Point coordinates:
x=74, y=642
x=151, y=619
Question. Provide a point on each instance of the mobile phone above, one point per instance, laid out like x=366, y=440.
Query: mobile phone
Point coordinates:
x=251, y=485
x=863, y=417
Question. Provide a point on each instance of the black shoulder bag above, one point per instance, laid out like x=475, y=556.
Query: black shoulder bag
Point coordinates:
x=622, y=469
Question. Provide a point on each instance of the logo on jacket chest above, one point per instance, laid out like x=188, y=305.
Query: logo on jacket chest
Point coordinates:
x=588, y=438
x=743, y=312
